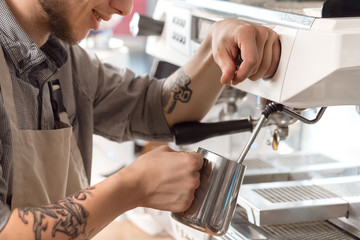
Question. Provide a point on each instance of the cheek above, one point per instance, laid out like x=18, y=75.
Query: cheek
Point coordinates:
x=78, y=30
x=125, y=6
x=81, y=25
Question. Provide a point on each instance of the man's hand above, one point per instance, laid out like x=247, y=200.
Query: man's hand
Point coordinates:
x=259, y=47
x=168, y=178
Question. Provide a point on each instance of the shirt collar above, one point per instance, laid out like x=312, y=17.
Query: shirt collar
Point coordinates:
x=21, y=49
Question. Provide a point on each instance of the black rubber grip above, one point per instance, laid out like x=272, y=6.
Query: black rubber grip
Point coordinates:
x=192, y=132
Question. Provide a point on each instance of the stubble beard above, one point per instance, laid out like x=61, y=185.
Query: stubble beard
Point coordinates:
x=59, y=25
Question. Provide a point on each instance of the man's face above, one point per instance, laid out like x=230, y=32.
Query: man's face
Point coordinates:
x=71, y=20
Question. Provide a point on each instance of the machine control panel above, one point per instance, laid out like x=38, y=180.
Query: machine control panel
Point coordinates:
x=179, y=30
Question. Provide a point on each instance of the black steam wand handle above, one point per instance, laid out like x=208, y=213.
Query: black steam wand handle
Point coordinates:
x=192, y=132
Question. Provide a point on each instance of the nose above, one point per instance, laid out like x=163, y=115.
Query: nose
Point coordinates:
x=123, y=7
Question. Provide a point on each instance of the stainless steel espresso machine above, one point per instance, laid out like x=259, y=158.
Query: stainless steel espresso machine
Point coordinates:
x=309, y=188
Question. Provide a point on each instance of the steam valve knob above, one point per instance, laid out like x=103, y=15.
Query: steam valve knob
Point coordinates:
x=141, y=25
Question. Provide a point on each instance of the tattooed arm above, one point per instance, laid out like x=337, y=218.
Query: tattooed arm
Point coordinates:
x=69, y=215
x=190, y=92
x=151, y=181
x=79, y=216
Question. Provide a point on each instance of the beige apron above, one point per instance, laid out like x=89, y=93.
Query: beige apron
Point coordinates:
x=47, y=163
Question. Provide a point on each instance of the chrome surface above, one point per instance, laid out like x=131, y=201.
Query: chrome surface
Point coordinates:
x=343, y=223
x=299, y=201
x=215, y=200
x=254, y=13
x=253, y=136
x=294, y=167
x=305, y=120
x=240, y=228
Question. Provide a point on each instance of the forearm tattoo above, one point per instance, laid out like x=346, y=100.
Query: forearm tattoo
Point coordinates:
x=176, y=90
x=70, y=217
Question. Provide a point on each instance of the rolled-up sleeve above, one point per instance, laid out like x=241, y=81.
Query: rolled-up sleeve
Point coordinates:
x=4, y=215
x=4, y=186
x=5, y=166
x=125, y=106
x=4, y=209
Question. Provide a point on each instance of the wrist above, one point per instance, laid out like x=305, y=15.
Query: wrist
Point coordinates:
x=126, y=186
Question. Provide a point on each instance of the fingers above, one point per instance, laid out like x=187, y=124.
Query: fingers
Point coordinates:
x=263, y=63
x=260, y=51
x=199, y=161
x=251, y=53
x=275, y=59
x=261, y=57
x=226, y=63
x=171, y=178
x=270, y=58
x=191, y=180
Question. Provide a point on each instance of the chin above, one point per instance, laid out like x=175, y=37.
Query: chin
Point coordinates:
x=80, y=36
x=73, y=38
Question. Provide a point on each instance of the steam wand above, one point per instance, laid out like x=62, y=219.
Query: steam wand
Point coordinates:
x=269, y=109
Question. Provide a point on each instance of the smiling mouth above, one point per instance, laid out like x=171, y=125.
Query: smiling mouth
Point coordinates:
x=97, y=16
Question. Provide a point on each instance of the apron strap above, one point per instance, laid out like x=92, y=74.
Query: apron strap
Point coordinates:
x=56, y=98
x=7, y=90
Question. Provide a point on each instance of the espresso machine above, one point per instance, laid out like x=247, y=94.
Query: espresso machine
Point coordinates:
x=302, y=179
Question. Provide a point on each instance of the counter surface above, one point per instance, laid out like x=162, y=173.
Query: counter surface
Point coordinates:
x=123, y=229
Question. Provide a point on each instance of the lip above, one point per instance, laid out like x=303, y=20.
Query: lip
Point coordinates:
x=97, y=15
x=100, y=16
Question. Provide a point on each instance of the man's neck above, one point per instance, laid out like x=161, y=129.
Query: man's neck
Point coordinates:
x=31, y=18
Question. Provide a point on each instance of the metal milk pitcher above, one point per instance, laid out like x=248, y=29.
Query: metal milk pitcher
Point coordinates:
x=220, y=179
x=215, y=200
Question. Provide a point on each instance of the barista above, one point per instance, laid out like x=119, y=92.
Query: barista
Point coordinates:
x=46, y=133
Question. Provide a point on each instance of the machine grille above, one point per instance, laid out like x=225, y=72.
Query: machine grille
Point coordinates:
x=301, y=160
x=344, y=189
x=314, y=230
x=294, y=193
x=256, y=163
x=305, y=231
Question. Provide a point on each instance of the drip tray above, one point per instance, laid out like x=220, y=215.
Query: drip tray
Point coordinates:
x=299, y=201
x=240, y=228
x=292, y=167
